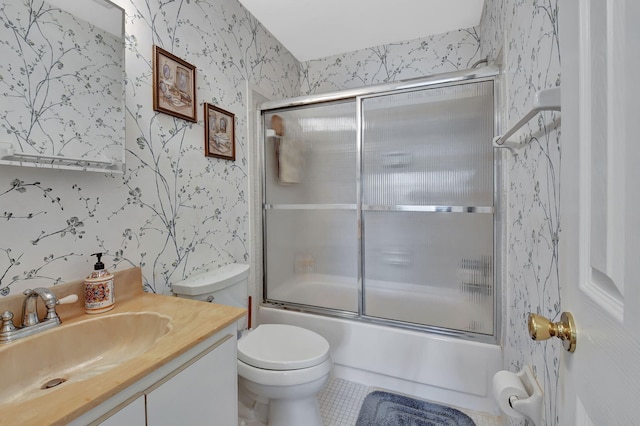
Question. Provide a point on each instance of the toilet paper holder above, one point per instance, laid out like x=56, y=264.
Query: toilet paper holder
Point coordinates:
x=531, y=406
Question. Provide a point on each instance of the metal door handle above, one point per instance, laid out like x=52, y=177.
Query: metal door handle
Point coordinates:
x=540, y=328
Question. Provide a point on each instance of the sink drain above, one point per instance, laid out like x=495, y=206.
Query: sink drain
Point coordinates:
x=53, y=383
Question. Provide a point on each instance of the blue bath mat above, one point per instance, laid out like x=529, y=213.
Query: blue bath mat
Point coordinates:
x=388, y=409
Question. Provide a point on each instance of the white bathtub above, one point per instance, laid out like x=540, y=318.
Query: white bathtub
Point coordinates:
x=444, y=369
x=412, y=303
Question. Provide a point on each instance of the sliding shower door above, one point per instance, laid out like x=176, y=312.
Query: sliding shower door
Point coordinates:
x=379, y=206
x=427, y=207
x=311, y=227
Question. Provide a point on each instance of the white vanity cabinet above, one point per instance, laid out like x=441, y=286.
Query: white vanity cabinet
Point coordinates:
x=132, y=414
x=204, y=393
x=198, y=387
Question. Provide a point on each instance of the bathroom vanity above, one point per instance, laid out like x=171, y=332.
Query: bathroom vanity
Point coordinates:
x=201, y=390
x=185, y=373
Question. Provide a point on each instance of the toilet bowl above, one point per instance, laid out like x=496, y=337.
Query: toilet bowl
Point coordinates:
x=288, y=366
x=281, y=368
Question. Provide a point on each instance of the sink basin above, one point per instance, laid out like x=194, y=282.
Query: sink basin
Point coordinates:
x=35, y=365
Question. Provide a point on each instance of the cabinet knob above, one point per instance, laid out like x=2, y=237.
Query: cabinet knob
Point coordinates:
x=540, y=328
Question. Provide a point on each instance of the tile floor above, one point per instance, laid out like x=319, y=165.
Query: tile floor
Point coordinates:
x=340, y=402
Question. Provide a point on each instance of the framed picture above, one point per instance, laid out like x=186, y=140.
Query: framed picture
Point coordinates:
x=219, y=133
x=174, y=85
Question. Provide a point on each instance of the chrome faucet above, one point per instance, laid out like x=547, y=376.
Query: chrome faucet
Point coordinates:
x=29, y=307
x=31, y=324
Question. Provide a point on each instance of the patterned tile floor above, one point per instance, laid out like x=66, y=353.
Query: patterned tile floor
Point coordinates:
x=340, y=402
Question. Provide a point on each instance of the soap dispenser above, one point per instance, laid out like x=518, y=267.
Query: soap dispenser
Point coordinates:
x=98, y=289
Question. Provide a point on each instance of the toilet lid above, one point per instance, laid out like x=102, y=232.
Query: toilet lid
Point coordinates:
x=282, y=347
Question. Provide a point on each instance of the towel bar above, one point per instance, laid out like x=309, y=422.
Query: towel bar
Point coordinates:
x=544, y=100
x=7, y=152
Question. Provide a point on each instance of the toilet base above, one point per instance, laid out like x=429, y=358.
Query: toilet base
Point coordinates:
x=292, y=412
x=281, y=412
x=252, y=413
x=285, y=405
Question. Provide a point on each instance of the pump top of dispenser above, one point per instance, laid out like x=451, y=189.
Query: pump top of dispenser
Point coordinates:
x=98, y=269
x=99, y=265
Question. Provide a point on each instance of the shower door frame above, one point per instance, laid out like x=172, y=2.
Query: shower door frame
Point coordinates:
x=489, y=73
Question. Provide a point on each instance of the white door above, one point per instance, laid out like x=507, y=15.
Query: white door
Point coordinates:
x=600, y=184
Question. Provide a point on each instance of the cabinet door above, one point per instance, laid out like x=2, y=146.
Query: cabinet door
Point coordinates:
x=132, y=414
x=203, y=393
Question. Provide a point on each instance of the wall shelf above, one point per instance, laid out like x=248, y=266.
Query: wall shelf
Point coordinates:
x=8, y=153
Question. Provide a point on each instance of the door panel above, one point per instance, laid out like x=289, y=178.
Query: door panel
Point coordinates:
x=428, y=207
x=600, y=226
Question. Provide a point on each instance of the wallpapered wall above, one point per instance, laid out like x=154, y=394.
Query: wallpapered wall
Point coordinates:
x=174, y=211
x=450, y=51
x=528, y=32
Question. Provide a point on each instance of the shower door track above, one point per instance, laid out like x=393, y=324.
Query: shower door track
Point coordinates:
x=489, y=73
x=385, y=208
x=447, y=79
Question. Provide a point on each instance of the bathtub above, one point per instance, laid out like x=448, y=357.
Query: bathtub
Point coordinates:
x=439, y=368
x=471, y=311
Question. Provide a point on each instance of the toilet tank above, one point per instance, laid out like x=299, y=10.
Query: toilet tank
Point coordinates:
x=227, y=285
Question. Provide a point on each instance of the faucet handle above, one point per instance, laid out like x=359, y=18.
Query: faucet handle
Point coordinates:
x=72, y=298
x=7, y=322
x=7, y=328
x=52, y=303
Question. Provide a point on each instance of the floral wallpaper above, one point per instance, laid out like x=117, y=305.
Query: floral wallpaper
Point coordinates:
x=61, y=80
x=528, y=34
x=450, y=51
x=174, y=212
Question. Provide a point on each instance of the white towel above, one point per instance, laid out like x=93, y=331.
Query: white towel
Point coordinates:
x=290, y=161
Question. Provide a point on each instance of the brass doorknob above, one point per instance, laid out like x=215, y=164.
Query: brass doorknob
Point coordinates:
x=540, y=328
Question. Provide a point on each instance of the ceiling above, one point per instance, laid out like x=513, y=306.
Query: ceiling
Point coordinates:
x=312, y=29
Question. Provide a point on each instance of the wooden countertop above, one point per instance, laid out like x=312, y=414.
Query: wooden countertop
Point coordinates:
x=192, y=322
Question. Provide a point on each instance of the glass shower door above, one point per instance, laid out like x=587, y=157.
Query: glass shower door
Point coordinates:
x=310, y=211
x=427, y=207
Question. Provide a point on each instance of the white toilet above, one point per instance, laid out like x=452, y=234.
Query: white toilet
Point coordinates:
x=282, y=366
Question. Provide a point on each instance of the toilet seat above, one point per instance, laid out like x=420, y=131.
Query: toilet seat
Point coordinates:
x=284, y=378
x=282, y=347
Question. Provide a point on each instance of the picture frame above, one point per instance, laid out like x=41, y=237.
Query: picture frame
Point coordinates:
x=219, y=133
x=174, y=85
